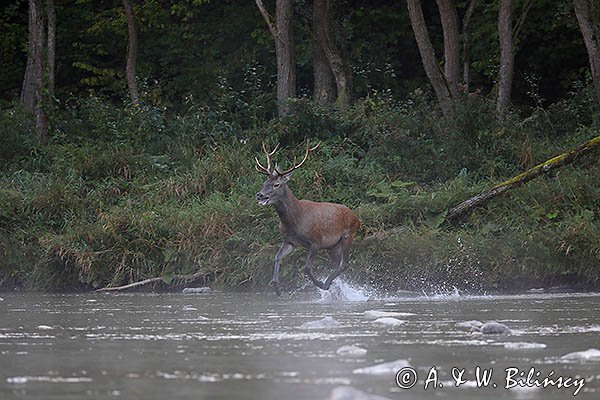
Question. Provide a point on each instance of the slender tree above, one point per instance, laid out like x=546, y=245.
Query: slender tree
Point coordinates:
x=449, y=18
x=428, y=57
x=132, y=45
x=507, y=57
x=51, y=45
x=282, y=32
x=588, y=17
x=337, y=62
x=32, y=94
x=324, y=82
x=466, y=37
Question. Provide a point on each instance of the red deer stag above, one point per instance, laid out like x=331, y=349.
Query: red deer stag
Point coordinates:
x=305, y=223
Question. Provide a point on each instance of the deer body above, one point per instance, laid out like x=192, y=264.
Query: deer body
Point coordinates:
x=308, y=224
x=304, y=223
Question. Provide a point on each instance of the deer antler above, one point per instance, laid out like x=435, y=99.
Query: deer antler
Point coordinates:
x=259, y=167
x=296, y=166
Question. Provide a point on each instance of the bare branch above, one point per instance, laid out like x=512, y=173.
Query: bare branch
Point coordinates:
x=176, y=278
x=267, y=17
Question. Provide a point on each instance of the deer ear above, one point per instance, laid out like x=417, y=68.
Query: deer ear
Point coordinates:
x=286, y=177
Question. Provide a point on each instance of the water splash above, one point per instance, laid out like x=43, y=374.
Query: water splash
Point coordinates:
x=443, y=293
x=342, y=291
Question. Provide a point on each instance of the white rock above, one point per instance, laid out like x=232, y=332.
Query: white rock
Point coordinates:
x=325, y=323
x=350, y=393
x=375, y=314
x=45, y=327
x=351, y=351
x=467, y=325
x=197, y=290
x=388, y=321
x=383, y=369
x=588, y=355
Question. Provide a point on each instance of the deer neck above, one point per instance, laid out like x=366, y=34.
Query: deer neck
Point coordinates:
x=288, y=208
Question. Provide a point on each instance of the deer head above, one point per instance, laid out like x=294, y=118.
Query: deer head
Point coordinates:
x=275, y=186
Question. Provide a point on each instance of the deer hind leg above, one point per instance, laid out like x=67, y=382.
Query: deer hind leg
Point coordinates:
x=312, y=253
x=339, y=257
x=284, y=250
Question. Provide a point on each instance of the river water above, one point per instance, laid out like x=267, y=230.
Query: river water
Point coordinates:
x=255, y=346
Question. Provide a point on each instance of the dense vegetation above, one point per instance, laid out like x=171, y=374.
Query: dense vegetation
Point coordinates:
x=121, y=191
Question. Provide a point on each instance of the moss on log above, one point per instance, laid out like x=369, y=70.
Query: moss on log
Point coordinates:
x=568, y=157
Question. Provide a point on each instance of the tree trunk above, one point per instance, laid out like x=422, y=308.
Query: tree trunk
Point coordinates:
x=286, y=61
x=337, y=62
x=130, y=69
x=283, y=34
x=32, y=94
x=467, y=46
x=324, y=81
x=32, y=82
x=450, y=28
x=51, y=45
x=566, y=158
x=507, y=57
x=588, y=18
x=428, y=57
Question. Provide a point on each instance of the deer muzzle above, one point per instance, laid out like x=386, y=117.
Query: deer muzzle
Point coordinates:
x=262, y=199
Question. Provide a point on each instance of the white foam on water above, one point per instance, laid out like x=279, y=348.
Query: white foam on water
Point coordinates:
x=325, y=323
x=51, y=379
x=384, y=368
x=523, y=345
x=376, y=314
x=342, y=291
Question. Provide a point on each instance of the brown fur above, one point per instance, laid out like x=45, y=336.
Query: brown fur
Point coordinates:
x=309, y=224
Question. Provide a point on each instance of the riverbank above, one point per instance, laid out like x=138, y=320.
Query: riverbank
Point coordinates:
x=121, y=194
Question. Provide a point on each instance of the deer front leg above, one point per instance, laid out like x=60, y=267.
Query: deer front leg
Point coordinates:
x=312, y=253
x=284, y=250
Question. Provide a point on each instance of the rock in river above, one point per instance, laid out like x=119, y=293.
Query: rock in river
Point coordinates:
x=494, y=328
x=388, y=321
x=197, y=290
x=468, y=325
x=588, y=355
x=351, y=351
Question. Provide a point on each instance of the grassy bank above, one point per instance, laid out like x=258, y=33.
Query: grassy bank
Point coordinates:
x=124, y=193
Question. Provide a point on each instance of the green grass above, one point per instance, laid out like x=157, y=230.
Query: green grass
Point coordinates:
x=120, y=194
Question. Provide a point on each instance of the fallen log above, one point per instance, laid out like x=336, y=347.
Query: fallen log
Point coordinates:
x=566, y=158
x=175, y=278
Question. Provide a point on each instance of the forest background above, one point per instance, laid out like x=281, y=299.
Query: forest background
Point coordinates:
x=128, y=131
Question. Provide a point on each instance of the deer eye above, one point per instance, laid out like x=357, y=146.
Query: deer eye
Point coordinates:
x=276, y=185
